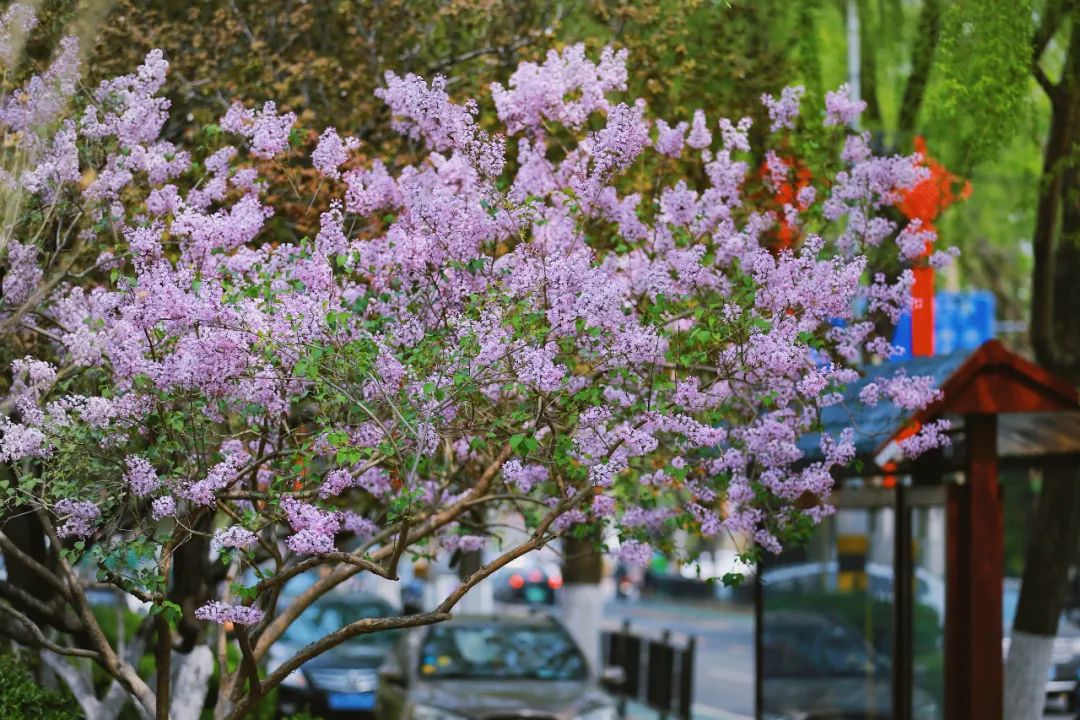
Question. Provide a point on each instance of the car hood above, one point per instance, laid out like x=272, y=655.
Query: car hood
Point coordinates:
x=847, y=697
x=479, y=698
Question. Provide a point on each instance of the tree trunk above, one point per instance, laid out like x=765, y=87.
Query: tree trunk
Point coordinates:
x=582, y=597
x=26, y=533
x=192, y=582
x=1055, y=335
x=1042, y=594
x=922, y=57
x=868, y=65
x=191, y=682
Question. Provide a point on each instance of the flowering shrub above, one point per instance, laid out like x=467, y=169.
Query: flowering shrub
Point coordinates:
x=495, y=331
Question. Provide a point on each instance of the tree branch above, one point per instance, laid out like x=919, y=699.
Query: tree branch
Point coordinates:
x=163, y=665
x=249, y=666
x=28, y=603
x=79, y=685
x=320, y=587
x=922, y=56
x=1045, y=83
x=41, y=640
x=399, y=548
x=359, y=627
x=40, y=570
x=1051, y=21
x=106, y=656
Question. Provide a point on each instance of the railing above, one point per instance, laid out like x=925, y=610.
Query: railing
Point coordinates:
x=657, y=672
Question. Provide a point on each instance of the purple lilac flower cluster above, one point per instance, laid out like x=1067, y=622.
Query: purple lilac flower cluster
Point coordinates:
x=456, y=307
x=222, y=613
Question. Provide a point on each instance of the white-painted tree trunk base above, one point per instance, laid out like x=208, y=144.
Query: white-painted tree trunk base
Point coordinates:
x=480, y=600
x=190, y=683
x=1026, y=670
x=582, y=613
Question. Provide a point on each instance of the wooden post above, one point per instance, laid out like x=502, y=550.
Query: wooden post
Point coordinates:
x=973, y=667
x=902, y=607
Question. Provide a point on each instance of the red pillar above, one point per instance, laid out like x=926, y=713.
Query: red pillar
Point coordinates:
x=976, y=554
x=922, y=313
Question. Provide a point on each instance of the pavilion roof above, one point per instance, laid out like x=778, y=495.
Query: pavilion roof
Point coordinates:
x=1040, y=413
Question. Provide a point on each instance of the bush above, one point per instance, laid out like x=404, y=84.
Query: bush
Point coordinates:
x=22, y=698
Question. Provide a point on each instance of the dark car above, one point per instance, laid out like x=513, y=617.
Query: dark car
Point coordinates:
x=528, y=583
x=1063, y=686
x=487, y=667
x=342, y=681
x=818, y=667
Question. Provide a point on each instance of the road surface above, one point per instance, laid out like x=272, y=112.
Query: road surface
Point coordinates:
x=724, y=666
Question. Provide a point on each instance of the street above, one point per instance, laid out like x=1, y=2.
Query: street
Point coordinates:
x=724, y=666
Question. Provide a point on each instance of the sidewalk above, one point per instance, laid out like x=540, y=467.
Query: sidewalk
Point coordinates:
x=700, y=712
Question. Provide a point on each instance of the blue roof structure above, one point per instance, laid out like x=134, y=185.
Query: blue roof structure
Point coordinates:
x=874, y=425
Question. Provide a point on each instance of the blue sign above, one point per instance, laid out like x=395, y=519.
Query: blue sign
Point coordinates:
x=351, y=701
x=962, y=321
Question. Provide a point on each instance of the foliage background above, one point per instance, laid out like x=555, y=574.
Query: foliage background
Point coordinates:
x=324, y=59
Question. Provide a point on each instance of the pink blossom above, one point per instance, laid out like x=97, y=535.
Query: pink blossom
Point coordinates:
x=524, y=477
x=314, y=528
x=234, y=536
x=15, y=24
x=543, y=92
x=79, y=517
x=670, y=140
x=700, y=137
x=784, y=111
x=463, y=543
x=267, y=130
x=361, y=526
x=164, y=506
x=332, y=152
x=931, y=436
x=840, y=108
x=635, y=553
x=140, y=476
x=23, y=274
x=222, y=613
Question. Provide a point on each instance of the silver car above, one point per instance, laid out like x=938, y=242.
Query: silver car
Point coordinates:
x=488, y=667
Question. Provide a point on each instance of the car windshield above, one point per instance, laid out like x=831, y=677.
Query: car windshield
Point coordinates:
x=500, y=651
x=323, y=618
x=794, y=651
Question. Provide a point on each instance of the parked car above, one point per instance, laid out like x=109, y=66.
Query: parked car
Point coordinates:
x=928, y=590
x=528, y=582
x=1063, y=686
x=342, y=681
x=628, y=581
x=481, y=667
x=818, y=667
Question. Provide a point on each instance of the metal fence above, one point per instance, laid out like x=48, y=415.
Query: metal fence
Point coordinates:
x=658, y=672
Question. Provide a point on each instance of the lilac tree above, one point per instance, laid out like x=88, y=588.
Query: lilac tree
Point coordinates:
x=195, y=414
